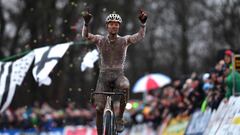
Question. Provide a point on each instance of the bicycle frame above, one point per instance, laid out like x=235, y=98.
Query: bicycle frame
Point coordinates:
x=109, y=106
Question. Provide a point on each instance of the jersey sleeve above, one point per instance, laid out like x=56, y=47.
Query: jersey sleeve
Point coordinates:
x=132, y=39
x=89, y=36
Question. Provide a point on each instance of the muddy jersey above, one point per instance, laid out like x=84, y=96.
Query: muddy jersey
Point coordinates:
x=113, y=53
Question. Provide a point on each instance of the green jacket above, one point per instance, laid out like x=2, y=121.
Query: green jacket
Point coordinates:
x=229, y=84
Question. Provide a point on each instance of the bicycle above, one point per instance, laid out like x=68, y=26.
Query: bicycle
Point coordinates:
x=109, y=115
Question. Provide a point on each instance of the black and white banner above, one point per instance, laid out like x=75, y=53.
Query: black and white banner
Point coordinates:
x=45, y=60
x=89, y=59
x=11, y=75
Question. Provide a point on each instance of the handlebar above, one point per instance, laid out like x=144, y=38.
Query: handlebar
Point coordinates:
x=109, y=93
x=106, y=93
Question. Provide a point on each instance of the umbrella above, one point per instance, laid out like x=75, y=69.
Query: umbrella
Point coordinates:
x=150, y=82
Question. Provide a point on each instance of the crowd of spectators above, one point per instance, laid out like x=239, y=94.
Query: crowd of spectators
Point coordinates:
x=184, y=96
x=43, y=117
x=181, y=97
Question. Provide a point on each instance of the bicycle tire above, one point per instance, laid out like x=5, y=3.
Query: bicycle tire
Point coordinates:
x=109, y=126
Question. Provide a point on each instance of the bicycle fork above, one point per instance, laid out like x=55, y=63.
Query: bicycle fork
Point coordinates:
x=108, y=108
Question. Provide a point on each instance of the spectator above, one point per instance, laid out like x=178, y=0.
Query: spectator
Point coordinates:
x=232, y=84
x=232, y=79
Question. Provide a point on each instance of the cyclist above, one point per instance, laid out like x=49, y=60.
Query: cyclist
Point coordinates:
x=112, y=49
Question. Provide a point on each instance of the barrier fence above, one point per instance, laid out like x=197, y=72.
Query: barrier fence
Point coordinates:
x=225, y=120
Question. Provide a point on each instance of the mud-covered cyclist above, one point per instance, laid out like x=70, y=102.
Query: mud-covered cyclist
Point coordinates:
x=112, y=49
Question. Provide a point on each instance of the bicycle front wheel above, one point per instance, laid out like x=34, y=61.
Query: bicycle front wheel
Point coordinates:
x=108, y=127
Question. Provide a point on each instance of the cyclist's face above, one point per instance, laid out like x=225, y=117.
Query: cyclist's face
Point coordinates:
x=113, y=27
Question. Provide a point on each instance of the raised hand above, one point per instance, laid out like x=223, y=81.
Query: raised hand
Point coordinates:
x=86, y=16
x=142, y=16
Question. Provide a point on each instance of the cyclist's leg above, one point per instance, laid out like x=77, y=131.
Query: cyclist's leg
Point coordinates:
x=122, y=83
x=99, y=118
x=100, y=101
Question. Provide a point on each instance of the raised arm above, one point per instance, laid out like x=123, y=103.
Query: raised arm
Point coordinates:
x=85, y=34
x=131, y=39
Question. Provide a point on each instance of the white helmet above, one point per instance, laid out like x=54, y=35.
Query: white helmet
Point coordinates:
x=113, y=17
